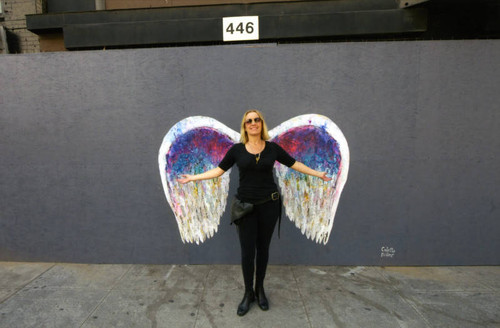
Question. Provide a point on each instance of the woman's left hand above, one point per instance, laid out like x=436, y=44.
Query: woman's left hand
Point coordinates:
x=324, y=177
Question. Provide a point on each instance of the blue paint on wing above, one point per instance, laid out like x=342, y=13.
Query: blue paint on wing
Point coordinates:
x=196, y=151
x=312, y=146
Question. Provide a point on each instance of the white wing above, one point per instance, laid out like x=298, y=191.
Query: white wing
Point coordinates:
x=195, y=145
x=310, y=202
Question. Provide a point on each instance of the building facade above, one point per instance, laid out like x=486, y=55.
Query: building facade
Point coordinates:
x=60, y=25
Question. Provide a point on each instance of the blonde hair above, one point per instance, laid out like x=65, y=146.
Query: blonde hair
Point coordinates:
x=263, y=133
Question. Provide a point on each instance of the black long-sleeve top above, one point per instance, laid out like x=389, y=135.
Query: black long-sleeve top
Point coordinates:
x=256, y=177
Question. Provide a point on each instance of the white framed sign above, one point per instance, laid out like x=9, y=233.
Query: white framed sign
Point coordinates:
x=240, y=28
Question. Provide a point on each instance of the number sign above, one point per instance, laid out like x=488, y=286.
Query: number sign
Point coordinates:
x=240, y=28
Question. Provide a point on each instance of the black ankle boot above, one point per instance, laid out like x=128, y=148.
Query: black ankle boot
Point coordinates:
x=245, y=303
x=261, y=298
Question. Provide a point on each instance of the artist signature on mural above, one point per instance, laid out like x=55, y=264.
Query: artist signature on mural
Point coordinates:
x=387, y=251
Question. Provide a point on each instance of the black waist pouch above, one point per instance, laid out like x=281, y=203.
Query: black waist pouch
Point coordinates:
x=239, y=209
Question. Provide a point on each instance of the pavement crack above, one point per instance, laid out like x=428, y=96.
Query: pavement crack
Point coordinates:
x=91, y=314
x=301, y=297
x=26, y=284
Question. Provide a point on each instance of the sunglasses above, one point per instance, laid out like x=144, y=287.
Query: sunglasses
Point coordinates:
x=256, y=120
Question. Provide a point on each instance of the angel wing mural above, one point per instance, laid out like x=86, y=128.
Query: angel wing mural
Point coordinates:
x=197, y=144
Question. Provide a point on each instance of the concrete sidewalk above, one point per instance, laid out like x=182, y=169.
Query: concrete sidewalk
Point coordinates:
x=99, y=295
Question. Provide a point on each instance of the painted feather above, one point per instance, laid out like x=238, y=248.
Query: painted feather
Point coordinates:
x=192, y=146
x=198, y=144
x=310, y=202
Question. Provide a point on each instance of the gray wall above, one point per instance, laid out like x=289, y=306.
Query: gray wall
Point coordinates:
x=80, y=132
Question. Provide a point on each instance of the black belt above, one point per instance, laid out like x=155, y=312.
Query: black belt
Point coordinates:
x=274, y=196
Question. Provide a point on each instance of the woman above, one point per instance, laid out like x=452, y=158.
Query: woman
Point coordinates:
x=255, y=157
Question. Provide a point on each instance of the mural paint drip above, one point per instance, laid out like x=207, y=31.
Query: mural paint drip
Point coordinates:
x=197, y=144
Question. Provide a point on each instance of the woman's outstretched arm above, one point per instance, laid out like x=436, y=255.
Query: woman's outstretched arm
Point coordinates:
x=298, y=166
x=210, y=174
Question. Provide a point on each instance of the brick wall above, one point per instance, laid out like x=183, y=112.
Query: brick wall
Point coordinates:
x=14, y=14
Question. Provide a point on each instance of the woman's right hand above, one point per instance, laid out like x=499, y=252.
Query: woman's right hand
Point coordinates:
x=185, y=178
x=213, y=173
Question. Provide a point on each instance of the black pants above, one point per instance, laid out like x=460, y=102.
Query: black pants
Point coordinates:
x=255, y=232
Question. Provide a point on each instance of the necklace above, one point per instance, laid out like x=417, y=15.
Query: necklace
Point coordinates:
x=257, y=156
